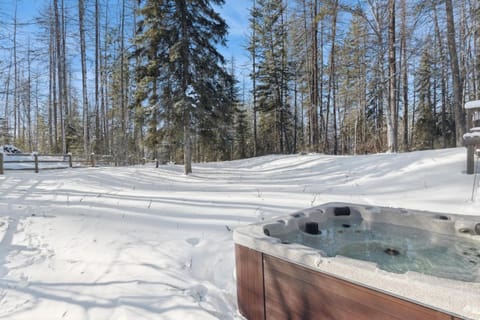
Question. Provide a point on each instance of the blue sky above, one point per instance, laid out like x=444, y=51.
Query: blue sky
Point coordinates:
x=26, y=9
x=235, y=12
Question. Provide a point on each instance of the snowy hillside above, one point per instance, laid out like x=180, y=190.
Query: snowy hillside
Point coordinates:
x=147, y=243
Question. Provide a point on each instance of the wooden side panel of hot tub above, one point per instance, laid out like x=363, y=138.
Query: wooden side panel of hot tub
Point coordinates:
x=269, y=288
x=294, y=292
x=250, y=292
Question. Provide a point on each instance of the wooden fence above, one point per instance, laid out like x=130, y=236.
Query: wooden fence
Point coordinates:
x=67, y=160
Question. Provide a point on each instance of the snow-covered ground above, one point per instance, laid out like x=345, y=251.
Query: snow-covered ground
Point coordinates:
x=147, y=243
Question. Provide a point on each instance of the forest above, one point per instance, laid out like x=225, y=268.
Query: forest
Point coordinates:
x=141, y=79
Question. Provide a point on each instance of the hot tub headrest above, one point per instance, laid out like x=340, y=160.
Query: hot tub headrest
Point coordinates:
x=341, y=211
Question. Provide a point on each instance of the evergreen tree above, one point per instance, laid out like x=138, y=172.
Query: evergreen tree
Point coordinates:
x=352, y=76
x=214, y=121
x=271, y=76
x=176, y=44
x=241, y=133
x=425, y=126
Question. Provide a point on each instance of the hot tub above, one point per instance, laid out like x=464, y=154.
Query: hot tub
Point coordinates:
x=349, y=261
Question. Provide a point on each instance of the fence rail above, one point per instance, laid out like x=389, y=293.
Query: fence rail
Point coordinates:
x=67, y=160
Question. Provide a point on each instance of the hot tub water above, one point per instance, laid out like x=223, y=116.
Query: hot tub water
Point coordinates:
x=396, y=248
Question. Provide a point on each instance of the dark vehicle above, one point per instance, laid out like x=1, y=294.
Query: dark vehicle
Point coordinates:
x=8, y=148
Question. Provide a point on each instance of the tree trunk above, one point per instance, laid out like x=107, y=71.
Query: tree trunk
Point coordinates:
x=295, y=115
x=443, y=77
x=15, y=79
x=457, y=83
x=52, y=125
x=7, y=113
x=28, y=101
x=64, y=92
x=187, y=153
x=59, y=72
x=123, y=95
x=37, y=121
x=307, y=143
x=81, y=18
x=98, y=133
x=187, y=149
x=476, y=53
x=392, y=116
x=405, y=75
x=332, y=78
x=105, y=120
x=254, y=78
x=314, y=79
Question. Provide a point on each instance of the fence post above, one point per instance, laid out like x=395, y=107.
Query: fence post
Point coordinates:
x=70, y=162
x=35, y=157
x=92, y=159
x=156, y=163
x=1, y=162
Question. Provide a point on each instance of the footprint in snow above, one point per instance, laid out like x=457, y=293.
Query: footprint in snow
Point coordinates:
x=193, y=241
x=198, y=292
x=23, y=281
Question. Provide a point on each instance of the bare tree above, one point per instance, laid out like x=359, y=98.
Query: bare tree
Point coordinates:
x=59, y=72
x=52, y=84
x=16, y=109
x=86, y=125
x=7, y=95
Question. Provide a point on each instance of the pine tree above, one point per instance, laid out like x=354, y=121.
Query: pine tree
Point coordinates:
x=176, y=43
x=271, y=76
x=252, y=48
x=425, y=126
x=352, y=76
x=81, y=19
x=241, y=133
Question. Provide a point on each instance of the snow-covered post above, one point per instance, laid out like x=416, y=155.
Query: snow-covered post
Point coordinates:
x=92, y=159
x=471, y=139
x=70, y=162
x=470, y=159
x=35, y=158
x=1, y=162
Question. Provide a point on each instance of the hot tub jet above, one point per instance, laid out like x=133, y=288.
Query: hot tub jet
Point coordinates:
x=391, y=252
x=312, y=228
x=442, y=217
